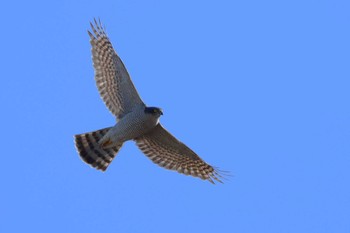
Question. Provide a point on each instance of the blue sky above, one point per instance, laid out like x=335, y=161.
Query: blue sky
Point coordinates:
x=259, y=88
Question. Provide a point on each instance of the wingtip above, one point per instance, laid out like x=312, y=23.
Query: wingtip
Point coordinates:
x=97, y=28
x=90, y=35
x=218, y=175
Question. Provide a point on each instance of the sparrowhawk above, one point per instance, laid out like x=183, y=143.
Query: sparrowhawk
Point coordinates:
x=135, y=121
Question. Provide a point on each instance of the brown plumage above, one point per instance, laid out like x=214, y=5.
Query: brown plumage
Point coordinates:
x=168, y=152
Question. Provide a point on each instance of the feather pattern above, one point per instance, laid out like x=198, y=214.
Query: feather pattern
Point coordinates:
x=135, y=121
x=112, y=79
x=87, y=145
x=168, y=152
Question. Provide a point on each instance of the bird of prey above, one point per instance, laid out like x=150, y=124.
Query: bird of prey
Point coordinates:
x=135, y=120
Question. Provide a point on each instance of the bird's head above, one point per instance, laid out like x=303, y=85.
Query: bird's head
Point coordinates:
x=154, y=111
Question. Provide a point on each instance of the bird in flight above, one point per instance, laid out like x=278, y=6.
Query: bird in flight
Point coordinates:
x=135, y=120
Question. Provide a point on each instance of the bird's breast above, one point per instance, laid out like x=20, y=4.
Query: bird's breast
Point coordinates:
x=133, y=125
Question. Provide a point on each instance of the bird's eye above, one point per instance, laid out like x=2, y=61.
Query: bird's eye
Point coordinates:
x=155, y=110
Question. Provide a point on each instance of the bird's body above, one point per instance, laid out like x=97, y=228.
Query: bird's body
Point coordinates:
x=135, y=121
x=132, y=125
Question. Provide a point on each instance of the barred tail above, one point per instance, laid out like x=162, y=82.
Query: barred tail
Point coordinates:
x=91, y=152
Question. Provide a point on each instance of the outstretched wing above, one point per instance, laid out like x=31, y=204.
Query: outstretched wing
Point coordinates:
x=112, y=78
x=168, y=152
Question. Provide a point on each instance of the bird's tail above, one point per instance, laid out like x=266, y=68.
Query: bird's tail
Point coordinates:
x=91, y=152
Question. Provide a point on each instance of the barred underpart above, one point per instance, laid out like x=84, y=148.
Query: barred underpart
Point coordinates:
x=90, y=151
x=119, y=94
x=112, y=78
x=166, y=151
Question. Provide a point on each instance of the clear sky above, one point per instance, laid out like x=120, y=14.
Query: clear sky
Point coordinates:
x=258, y=88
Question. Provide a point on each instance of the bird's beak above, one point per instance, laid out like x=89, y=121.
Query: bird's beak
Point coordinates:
x=161, y=111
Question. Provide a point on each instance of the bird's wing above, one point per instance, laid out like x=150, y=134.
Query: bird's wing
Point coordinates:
x=112, y=79
x=168, y=152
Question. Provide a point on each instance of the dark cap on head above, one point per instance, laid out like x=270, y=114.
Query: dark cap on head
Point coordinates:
x=153, y=110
